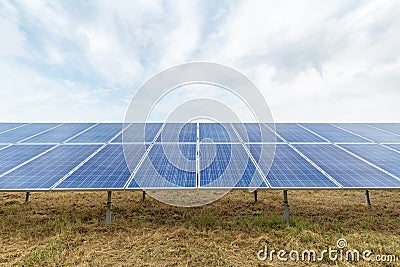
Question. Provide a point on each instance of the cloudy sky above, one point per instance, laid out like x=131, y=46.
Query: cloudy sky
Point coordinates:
x=313, y=60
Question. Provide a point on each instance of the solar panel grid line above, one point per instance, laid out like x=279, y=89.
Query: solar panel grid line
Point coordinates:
x=123, y=128
x=99, y=134
x=20, y=141
x=258, y=169
x=383, y=130
x=28, y=161
x=369, y=163
x=14, y=128
x=352, y=133
x=132, y=177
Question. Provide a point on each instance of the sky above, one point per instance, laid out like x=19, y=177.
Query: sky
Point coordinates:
x=314, y=61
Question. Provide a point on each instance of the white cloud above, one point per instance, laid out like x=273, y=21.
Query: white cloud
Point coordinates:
x=313, y=60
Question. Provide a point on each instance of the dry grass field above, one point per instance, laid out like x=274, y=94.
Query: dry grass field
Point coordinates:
x=68, y=228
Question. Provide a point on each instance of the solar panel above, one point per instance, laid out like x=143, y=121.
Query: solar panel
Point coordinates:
x=217, y=132
x=227, y=165
x=24, y=132
x=348, y=170
x=292, y=132
x=369, y=132
x=46, y=170
x=158, y=170
x=382, y=157
x=333, y=134
x=105, y=170
x=390, y=127
x=394, y=146
x=178, y=132
x=290, y=170
x=135, y=134
x=255, y=133
x=100, y=133
x=15, y=155
x=9, y=126
x=59, y=134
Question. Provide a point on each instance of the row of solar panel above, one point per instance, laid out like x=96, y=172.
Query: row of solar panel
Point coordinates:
x=80, y=133
x=101, y=167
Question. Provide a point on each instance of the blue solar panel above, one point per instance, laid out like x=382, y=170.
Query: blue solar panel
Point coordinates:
x=9, y=126
x=59, y=134
x=46, y=170
x=292, y=132
x=227, y=165
x=383, y=157
x=218, y=132
x=390, y=127
x=370, y=132
x=161, y=171
x=2, y=146
x=348, y=170
x=100, y=133
x=135, y=134
x=178, y=132
x=13, y=156
x=394, y=146
x=24, y=132
x=255, y=133
x=106, y=170
x=290, y=170
x=333, y=134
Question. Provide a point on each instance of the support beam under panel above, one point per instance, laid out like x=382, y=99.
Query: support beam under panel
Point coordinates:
x=255, y=196
x=367, y=200
x=28, y=197
x=108, y=209
x=285, y=207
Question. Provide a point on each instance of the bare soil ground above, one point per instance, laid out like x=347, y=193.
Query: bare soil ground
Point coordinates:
x=68, y=228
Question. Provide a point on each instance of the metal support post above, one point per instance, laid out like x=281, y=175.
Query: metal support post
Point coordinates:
x=143, y=196
x=27, y=197
x=255, y=196
x=367, y=201
x=108, y=209
x=285, y=207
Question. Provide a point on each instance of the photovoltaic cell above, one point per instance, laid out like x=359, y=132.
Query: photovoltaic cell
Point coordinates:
x=394, y=146
x=345, y=168
x=157, y=171
x=107, y=169
x=333, y=134
x=290, y=170
x=369, y=132
x=255, y=133
x=227, y=165
x=292, y=132
x=25, y=132
x=9, y=126
x=15, y=155
x=382, y=157
x=100, y=133
x=135, y=133
x=390, y=127
x=178, y=132
x=59, y=134
x=218, y=132
x=46, y=170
